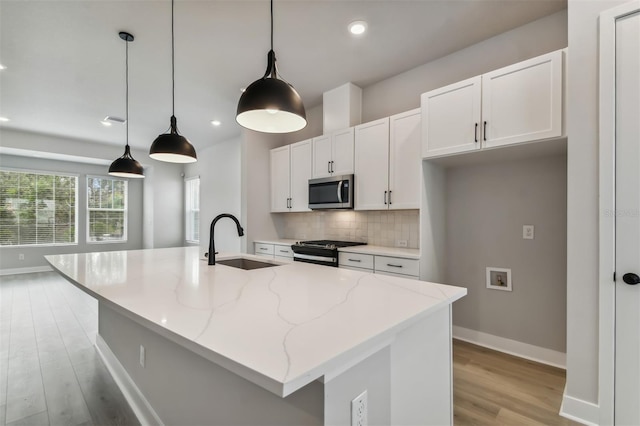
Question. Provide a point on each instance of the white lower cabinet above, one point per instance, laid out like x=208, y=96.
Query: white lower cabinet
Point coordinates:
x=282, y=251
x=262, y=249
x=384, y=265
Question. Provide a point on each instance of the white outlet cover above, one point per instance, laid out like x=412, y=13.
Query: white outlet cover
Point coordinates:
x=142, y=356
x=359, y=410
x=528, y=232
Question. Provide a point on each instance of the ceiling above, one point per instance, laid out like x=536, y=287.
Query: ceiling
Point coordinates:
x=66, y=64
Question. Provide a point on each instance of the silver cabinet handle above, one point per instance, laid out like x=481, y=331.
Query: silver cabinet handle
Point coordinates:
x=394, y=266
x=340, y=191
x=389, y=197
x=262, y=248
x=284, y=251
x=385, y=197
x=332, y=166
x=328, y=166
x=355, y=260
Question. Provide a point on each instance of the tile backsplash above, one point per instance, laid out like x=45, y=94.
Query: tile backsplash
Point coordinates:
x=379, y=228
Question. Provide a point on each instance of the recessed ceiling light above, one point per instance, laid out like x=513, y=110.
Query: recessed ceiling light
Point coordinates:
x=2, y=67
x=215, y=122
x=357, y=27
x=4, y=119
x=242, y=89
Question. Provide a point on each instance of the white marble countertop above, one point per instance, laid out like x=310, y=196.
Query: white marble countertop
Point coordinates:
x=282, y=241
x=403, y=252
x=279, y=327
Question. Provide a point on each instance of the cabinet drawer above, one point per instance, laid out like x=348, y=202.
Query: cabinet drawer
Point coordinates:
x=398, y=265
x=363, y=261
x=283, y=251
x=264, y=249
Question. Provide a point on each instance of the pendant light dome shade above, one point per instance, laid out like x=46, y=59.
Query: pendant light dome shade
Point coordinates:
x=173, y=147
x=270, y=104
x=126, y=166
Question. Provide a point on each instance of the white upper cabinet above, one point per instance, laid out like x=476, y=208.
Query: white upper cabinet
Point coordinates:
x=405, y=163
x=451, y=117
x=300, y=175
x=519, y=103
x=523, y=102
x=372, y=165
x=280, y=178
x=388, y=163
x=333, y=154
x=290, y=174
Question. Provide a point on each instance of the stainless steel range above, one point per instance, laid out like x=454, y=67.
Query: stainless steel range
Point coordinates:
x=320, y=252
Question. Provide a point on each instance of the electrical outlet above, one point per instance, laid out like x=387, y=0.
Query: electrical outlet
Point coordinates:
x=21, y=256
x=402, y=243
x=527, y=232
x=142, y=356
x=359, y=410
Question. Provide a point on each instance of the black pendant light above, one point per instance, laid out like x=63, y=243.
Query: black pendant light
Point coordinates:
x=126, y=166
x=270, y=104
x=173, y=147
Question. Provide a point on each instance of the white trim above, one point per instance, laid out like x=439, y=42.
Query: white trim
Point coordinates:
x=578, y=410
x=28, y=270
x=606, y=263
x=143, y=410
x=511, y=347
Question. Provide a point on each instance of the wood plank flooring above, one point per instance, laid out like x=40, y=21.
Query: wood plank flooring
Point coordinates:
x=50, y=372
x=493, y=388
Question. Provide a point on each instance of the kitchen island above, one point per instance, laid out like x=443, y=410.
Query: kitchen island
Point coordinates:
x=288, y=344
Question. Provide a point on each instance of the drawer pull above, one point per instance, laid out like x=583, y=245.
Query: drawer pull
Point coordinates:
x=355, y=260
x=394, y=266
x=284, y=251
x=263, y=248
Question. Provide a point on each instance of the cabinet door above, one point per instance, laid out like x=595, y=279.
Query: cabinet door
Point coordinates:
x=451, y=118
x=322, y=156
x=523, y=102
x=280, y=179
x=405, y=160
x=342, y=152
x=372, y=165
x=300, y=175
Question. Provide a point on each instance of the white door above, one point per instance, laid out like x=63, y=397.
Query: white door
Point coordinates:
x=451, y=118
x=523, y=102
x=300, y=175
x=627, y=251
x=322, y=156
x=280, y=179
x=405, y=171
x=371, y=190
x=342, y=155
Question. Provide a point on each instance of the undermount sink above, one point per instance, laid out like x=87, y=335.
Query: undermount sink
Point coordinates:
x=246, y=264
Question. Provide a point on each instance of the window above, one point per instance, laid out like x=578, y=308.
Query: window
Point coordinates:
x=192, y=209
x=37, y=208
x=106, y=209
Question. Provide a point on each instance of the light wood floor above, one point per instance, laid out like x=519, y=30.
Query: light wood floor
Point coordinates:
x=50, y=372
x=493, y=388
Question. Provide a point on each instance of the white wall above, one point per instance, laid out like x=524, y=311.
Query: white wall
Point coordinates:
x=220, y=192
x=162, y=187
x=34, y=255
x=582, y=200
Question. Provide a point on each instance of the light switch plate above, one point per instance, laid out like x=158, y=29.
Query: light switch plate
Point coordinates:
x=528, y=232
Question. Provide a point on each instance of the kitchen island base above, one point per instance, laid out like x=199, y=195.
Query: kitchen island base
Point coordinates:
x=407, y=379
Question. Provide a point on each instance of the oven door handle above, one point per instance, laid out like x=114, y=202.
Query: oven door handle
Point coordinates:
x=324, y=259
x=340, y=191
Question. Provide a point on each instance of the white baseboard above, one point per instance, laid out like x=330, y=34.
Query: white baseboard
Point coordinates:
x=28, y=270
x=579, y=411
x=139, y=404
x=512, y=347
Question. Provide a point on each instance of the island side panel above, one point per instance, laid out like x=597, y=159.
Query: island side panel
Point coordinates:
x=184, y=388
x=421, y=372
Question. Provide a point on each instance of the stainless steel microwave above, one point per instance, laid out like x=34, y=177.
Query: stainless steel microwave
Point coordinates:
x=334, y=192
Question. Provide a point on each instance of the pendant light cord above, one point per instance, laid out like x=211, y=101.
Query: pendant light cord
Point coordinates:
x=173, y=67
x=127, y=89
x=271, y=24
